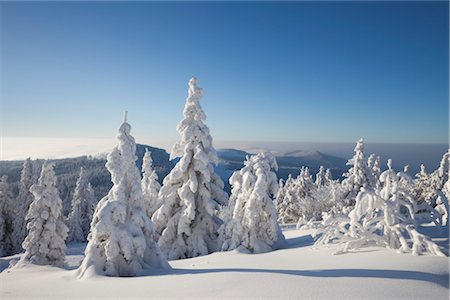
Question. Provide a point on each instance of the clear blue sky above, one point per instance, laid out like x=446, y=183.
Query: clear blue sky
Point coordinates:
x=292, y=71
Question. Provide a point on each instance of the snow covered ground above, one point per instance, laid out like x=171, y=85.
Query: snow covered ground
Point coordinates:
x=300, y=271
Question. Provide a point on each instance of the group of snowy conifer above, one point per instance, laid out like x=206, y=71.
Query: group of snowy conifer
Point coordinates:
x=369, y=207
x=30, y=218
x=140, y=224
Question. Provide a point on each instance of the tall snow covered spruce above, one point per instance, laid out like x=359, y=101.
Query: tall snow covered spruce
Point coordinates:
x=150, y=185
x=45, y=242
x=252, y=225
x=121, y=241
x=83, y=207
x=192, y=192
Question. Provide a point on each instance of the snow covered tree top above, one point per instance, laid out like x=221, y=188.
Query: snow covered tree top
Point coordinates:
x=191, y=128
x=47, y=177
x=147, y=162
x=195, y=93
x=359, y=175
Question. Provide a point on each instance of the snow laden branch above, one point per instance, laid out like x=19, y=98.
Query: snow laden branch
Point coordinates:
x=382, y=217
x=250, y=220
x=121, y=241
x=192, y=192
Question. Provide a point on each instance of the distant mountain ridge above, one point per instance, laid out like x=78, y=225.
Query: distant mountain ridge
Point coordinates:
x=288, y=163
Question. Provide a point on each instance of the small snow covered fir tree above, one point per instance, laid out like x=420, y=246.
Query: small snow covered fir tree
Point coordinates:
x=283, y=187
x=306, y=188
x=281, y=193
x=321, y=177
x=121, y=241
x=192, y=192
x=45, y=242
x=328, y=175
x=373, y=162
x=442, y=208
x=23, y=203
x=359, y=175
x=150, y=185
x=444, y=196
x=288, y=207
x=5, y=217
x=2, y=227
x=423, y=191
x=7, y=205
x=83, y=207
x=253, y=224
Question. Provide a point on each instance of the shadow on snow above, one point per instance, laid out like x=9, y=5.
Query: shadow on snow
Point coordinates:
x=441, y=280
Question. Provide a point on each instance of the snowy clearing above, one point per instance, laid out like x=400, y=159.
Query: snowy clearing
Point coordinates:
x=301, y=270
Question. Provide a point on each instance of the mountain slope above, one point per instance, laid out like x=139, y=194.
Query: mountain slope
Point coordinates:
x=288, y=163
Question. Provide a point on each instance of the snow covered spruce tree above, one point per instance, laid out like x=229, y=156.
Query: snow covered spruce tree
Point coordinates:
x=45, y=242
x=442, y=208
x=423, y=191
x=288, y=207
x=305, y=189
x=2, y=227
x=380, y=217
x=374, y=162
x=121, y=241
x=83, y=207
x=358, y=176
x=442, y=201
x=23, y=203
x=281, y=193
x=322, y=177
x=283, y=187
x=6, y=217
x=427, y=186
x=253, y=224
x=192, y=192
x=150, y=185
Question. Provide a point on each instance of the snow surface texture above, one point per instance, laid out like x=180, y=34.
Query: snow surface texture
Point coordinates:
x=83, y=207
x=121, y=242
x=45, y=242
x=150, y=185
x=192, y=192
x=251, y=221
x=296, y=272
x=382, y=217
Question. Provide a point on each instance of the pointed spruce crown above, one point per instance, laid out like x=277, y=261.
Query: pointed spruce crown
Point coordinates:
x=125, y=127
x=195, y=93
